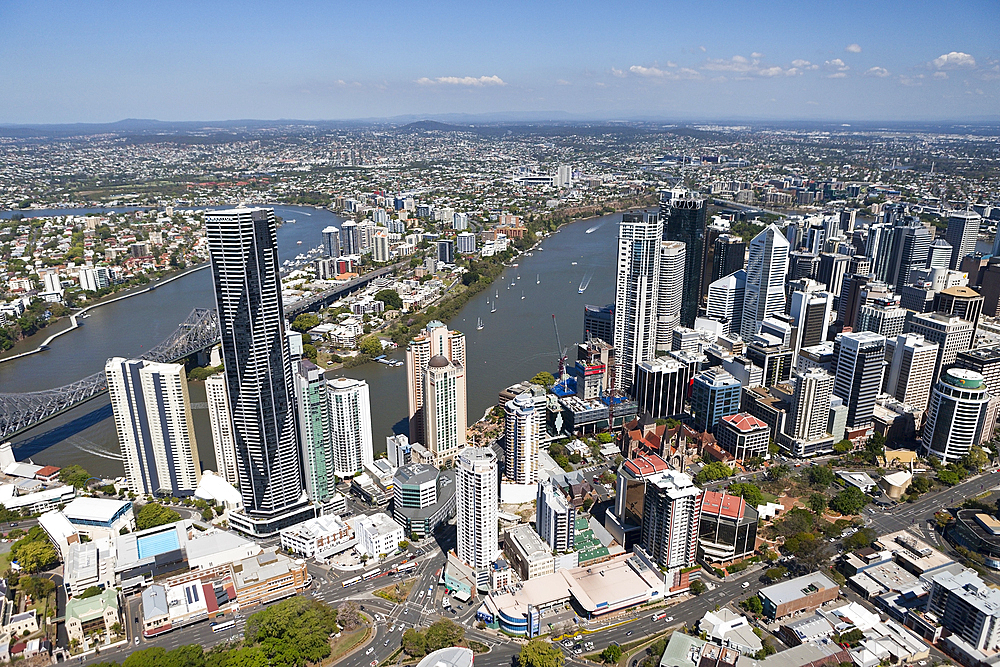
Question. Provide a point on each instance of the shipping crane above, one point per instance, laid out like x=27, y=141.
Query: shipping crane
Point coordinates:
x=562, y=352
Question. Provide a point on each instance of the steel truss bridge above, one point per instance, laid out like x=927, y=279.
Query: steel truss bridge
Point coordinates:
x=19, y=412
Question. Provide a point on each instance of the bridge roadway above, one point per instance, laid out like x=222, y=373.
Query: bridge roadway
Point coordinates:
x=19, y=412
x=327, y=297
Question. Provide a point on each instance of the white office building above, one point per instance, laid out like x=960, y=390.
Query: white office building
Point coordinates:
x=956, y=415
x=766, y=271
x=670, y=515
x=555, y=517
x=636, y=293
x=221, y=421
x=444, y=409
x=466, y=242
x=521, y=438
x=378, y=535
x=910, y=375
x=671, y=291
x=350, y=425
x=477, y=499
x=155, y=430
x=438, y=339
x=725, y=300
x=811, y=405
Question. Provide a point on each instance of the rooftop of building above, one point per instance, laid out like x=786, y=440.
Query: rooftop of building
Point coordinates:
x=961, y=291
x=86, y=609
x=745, y=422
x=969, y=587
x=262, y=567
x=643, y=466
x=528, y=542
x=793, y=589
x=673, y=480
x=94, y=509
x=382, y=523
x=453, y=656
x=723, y=504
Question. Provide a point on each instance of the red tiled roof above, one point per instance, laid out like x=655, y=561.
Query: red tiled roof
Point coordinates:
x=713, y=502
x=47, y=471
x=646, y=465
x=744, y=422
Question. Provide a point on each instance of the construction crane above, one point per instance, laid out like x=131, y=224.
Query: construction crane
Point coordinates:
x=562, y=351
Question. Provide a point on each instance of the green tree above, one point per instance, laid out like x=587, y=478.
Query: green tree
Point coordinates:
x=469, y=278
x=305, y=322
x=611, y=654
x=36, y=556
x=537, y=653
x=442, y=634
x=370, y=345
x=544, y=379
x=753, y=605
x=843, y=446
x=775, y=573
x=849, y=501
x=390, y=298
x=820, y=477
x=74, y=475
x=865, y=537
x=698, y=587
x=414, y=643
x=750, y=492
x=817, y=502
x=152, y=515
x=712, y=472
x=605, y=438
x=293, y=632
x=89, y=592
x=919, y=485
x=349, y=616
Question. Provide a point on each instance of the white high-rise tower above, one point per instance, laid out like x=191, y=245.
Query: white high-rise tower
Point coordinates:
x=350, y=425
x=445, y=409
x=636, y=293
x=521, y=440
x=221, y=422
x=671, y=292
x=477, y=500
x=766, y=271
x=153, y=419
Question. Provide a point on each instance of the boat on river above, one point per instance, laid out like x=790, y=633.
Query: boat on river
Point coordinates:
x=479, y=324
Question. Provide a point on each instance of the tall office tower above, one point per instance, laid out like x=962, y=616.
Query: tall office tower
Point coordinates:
x=555, y=517
x=962, y=232
x=859, y=265
x=831, y=271
x=221, y=421
x=521, y=439
x=963, y=302
x=444, y=409
x=670, y=292
x=153, y=419
x=460, y=221
x=810, y=405
x=466, y=242
x=564, y=176
x=714, y=394
x=847, y=219
x=366, y=232
x=939, y=254
x=883, y=316
x=810, y=312
x=436, y=340
x=314, y=431
x=350, y=425
x=331, y=241
x=244, y=253
x=660, y=387
x=477, y=490
x=684, y=215
x=729, y=257
x=985, y=361
x=636, y=293
x=725, y=300
x=956, y=415
x=670, y=513
x=879, y=249
x=815, y=239
x=599, y=322
x=350, y=238
x=951, y=333
x=910, y=247
x=380, y=245
x=858, y=361
x=849, y=301
x=766, y=269
x=911, y=369
x=802, y=265
x=892, y=214
x=446, y=251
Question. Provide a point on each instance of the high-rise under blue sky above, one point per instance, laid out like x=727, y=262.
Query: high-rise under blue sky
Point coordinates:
x=69, y=61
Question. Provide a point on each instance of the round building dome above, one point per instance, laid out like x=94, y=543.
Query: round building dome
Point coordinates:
x=438, y=361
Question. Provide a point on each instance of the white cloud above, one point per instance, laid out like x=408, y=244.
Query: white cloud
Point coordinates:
x=940, y=75
x=911, y=80
x=736, y=64
x=853, y=48
x=703, y=49
x=463, y=81
x=880, y=72
x=617, y=72
x=771, y=71
x=837, y=75
x=836, y=65
x=953, y=60
x=804, y=64
x=656, y=72
x=563, y=82
x=756, y=55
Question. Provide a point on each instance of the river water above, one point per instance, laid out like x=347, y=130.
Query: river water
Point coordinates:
x=516, y=342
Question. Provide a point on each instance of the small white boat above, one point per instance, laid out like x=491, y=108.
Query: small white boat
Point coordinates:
x=298, y=243
x=538, y=280
x=494, y=308
x=497, y=294
x=522, y=295
x=573, y=263
x=479, y=325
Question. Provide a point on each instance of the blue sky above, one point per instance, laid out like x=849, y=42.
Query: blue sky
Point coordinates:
x=340, y=59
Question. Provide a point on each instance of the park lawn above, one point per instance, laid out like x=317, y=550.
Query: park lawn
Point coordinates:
x=769, y=497
x=399, y=596
x=343, y=644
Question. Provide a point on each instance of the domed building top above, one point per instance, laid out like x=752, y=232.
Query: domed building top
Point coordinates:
x=438, y=361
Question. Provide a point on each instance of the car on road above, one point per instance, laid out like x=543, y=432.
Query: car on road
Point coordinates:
x=373, y=663
x=386, y=643
x=393, y=628
x=668, y=619
x=136, y=641
x=628, y=634
x=371, y=649
x=567, y=643
x=746, y=584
